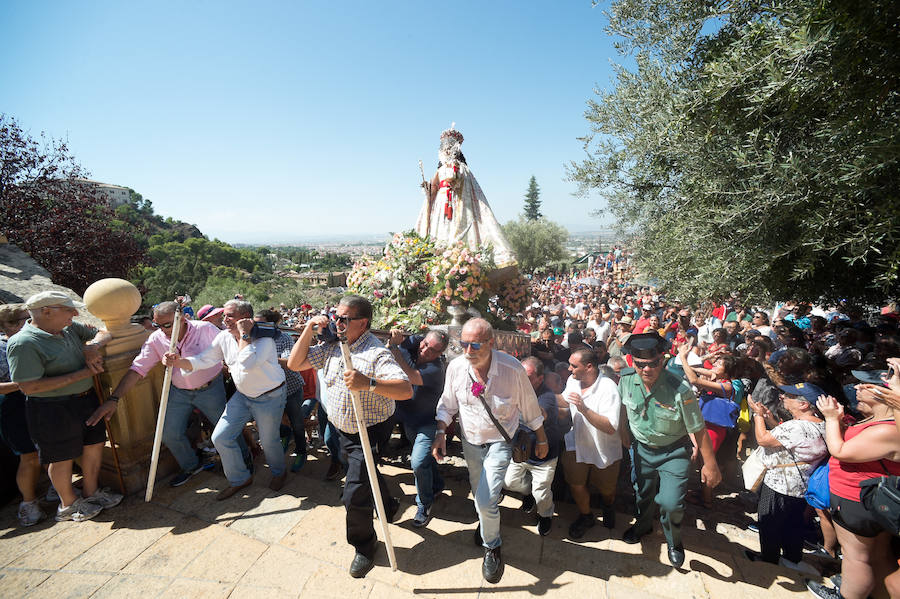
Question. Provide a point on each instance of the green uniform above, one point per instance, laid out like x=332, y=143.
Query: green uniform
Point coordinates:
x=34, y=354
x=661, y=452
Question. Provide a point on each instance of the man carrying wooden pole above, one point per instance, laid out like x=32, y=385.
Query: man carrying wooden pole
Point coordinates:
x=363, y=382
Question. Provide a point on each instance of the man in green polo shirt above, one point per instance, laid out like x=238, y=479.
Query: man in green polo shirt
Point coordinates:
x=662, y=412
x=53, y=360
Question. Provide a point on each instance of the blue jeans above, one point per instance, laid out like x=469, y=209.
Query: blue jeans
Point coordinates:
x=210, y=401
x=266, y=410
x=297, y=412
x=428, y=479
x=487, y=466
x=329, y=433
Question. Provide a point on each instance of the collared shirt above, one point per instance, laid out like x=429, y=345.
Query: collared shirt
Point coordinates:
x=33, y=354
x=590, y=444
x=664, y=415
x=254, y=369
x=508, y=393
x=371, y=358
x=198, y=336
x=283, y=345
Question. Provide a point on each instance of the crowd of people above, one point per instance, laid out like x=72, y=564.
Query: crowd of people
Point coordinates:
x=620, y=379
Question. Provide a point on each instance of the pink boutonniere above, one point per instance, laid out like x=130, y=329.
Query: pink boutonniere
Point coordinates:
x=477, y=388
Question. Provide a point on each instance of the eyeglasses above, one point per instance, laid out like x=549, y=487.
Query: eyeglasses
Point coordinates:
x=165, y=325
x=651, y=364
x=346, y=319
x=473, y=344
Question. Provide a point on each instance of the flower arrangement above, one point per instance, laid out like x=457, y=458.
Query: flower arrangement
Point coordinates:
x=514, y=295
x=457, y=277
x=413, y=281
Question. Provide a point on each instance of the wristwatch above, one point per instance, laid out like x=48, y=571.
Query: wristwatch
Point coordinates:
x=113, y=398
x=372, y=383
x=245, y=337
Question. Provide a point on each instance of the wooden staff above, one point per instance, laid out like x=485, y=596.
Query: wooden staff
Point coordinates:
x=367, y=452
x=163, y=402
x=101, y=395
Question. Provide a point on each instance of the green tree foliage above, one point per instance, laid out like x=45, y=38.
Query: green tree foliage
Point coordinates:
x=65, y=226
x=533, y=200
x=536, y=243
x=185, y=267
x=759, y=154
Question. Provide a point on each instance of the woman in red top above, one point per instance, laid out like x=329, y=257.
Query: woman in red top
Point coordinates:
x=868, y=449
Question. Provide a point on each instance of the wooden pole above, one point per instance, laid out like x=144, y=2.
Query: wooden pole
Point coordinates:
x=101, y=395
x=370, y=460
x=163, y=402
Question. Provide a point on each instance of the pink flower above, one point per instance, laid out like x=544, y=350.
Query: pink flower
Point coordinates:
x=477, y=388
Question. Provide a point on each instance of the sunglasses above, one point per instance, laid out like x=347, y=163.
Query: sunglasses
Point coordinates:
x=467, y=344
x=346, y=319
x=650, y=364
x=167, y=325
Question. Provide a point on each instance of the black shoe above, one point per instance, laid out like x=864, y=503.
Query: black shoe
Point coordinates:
x=492, y=567
x=390, y=509
x=544, y=525
x=477, y=537
x=676, y=556
x=527, y=504
x=361, y=565
x=609, y=517
x=580, y=526
x=335, y=471
x=632, y=536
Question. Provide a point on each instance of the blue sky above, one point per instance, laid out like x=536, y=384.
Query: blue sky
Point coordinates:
x=275, y=121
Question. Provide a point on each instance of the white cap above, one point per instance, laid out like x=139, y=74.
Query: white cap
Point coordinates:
x=51, y=298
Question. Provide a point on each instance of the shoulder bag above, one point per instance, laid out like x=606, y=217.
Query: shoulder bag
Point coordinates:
x=881, y=497
x=523, y=443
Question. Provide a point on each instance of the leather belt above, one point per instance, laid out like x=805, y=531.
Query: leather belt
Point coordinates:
x=201, y=387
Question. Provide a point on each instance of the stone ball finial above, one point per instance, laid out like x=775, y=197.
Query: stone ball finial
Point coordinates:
x=113, y=301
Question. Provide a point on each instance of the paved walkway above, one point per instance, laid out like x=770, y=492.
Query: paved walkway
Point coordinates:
x=291, y=544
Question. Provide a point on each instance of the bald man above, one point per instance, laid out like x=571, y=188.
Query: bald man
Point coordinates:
x=485, y=379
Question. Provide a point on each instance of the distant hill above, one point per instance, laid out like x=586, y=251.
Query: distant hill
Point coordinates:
x=138, y=213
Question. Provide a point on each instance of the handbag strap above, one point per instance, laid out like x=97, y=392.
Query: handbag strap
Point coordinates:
x=491, y=414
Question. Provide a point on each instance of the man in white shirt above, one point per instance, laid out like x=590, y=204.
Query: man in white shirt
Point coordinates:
x=484, y=375
x=593, y=446
x=599, y=325
x=260, y=395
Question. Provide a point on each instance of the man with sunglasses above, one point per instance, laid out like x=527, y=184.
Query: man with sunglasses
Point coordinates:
x=379, y=381
x=202, y=389
x=662, y=412
x=252, y=362
x=485, y=379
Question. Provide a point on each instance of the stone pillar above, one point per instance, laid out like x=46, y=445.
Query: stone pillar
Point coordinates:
x=114, y=301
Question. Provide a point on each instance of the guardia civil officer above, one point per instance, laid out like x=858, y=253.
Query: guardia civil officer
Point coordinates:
x=662, y=412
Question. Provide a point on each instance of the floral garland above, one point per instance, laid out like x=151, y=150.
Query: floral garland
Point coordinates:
x=413, y=282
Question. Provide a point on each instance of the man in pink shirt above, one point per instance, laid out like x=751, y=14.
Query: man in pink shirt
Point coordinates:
x=202, y=389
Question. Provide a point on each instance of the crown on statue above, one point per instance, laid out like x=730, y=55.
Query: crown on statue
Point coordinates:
x=453, y=134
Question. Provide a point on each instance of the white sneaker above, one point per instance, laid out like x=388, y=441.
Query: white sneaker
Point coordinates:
x=79, y=511
x=30, y=513
x=801, y=567
x=105, y=498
